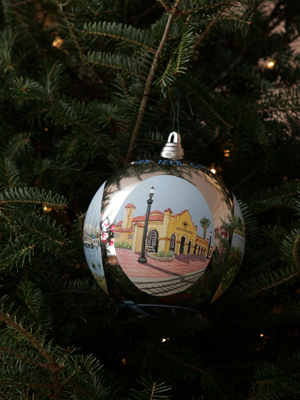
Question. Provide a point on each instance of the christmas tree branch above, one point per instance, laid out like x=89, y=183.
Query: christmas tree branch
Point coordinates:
x=21, y=357
x=295, y=253
x=212, y=23
x=60, y=7
x=60, y=293
x=206, y=373
x=31, y=385
x=52, y=365
x=253, y=172
x=82, y=391
x=144, y=101
x=73, y=36
x=266, y=288
x=209, y=106
x=225, y=73
x=204, y=7
x=144, y=13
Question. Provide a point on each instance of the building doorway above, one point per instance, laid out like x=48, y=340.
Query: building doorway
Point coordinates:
x=172, y=243
x=152, y=241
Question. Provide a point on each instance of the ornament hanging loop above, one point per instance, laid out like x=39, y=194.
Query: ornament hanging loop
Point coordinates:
x=173, y=149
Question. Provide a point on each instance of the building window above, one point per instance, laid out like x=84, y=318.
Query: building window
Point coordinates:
x=129, y=236
x=117, y=235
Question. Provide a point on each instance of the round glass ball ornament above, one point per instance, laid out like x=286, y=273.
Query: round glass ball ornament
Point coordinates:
x=164, y=236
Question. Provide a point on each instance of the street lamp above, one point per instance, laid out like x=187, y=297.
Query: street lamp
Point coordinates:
x=142, y=259
x=210, y=235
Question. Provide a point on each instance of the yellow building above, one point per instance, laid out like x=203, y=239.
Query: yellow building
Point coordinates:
x=166, y=232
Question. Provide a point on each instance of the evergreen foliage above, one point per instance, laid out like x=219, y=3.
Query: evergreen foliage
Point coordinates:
x=88, y=86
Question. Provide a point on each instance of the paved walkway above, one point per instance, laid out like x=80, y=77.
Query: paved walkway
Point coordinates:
x=162, y=277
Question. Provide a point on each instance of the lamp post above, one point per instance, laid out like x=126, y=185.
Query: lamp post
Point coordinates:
x=210, y=235
x=142, y=259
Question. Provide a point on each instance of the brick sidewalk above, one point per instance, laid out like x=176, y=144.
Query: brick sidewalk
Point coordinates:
x=181, y=265
x=162, y=278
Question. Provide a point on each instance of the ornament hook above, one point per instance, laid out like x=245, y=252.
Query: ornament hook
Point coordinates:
x=173, y=149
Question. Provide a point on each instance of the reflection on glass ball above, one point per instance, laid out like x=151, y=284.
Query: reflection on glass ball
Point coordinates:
x=164, y=237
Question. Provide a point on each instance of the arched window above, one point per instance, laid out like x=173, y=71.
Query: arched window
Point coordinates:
x=182, y=242
x=189, y=248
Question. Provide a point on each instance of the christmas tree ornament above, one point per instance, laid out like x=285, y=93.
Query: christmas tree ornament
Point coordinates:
x=164, y=236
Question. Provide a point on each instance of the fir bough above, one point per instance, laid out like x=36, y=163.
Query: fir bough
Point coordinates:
x=89, y=86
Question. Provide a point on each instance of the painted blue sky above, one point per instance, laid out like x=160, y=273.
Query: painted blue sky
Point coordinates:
x=170, y=192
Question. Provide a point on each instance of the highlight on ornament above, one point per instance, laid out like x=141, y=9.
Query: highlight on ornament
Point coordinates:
x=164, y=236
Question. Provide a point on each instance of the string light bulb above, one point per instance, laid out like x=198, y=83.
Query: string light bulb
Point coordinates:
x=57, y=42
x=47, y=209
x=270, y=64
x=226, y=153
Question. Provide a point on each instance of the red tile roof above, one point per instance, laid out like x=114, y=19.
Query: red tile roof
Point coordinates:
x=182, y=212
x=129, y=230
x=140, y=218
x=152, y=217
x=156, y=217
x=139, y=225
x=157, y=212
x=130, y=205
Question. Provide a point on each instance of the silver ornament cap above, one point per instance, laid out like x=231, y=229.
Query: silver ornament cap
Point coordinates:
x=173, y=149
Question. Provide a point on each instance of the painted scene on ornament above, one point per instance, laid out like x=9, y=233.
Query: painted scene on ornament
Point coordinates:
x=164, y=235
x=91, y=239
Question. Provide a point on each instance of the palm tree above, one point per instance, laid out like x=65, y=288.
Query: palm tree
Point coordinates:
x=204, y=222
x=239, y=225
